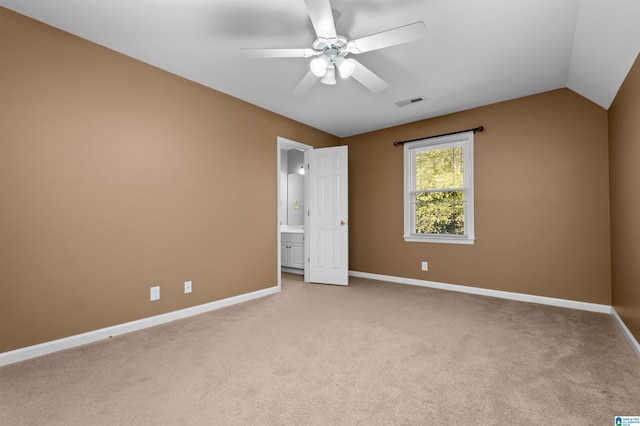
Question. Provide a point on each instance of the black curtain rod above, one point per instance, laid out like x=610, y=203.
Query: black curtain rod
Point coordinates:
x=475, y=129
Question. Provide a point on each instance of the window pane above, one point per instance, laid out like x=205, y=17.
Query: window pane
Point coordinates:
x=440, y=213
x=439, y=168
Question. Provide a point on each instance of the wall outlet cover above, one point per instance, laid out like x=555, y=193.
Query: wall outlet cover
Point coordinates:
x=187, y=287
x=154, y=293
x=425, y=266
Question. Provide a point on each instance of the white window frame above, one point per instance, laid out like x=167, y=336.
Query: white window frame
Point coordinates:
x=464, y=139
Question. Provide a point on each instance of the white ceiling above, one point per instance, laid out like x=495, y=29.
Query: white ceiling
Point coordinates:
x=476, y=52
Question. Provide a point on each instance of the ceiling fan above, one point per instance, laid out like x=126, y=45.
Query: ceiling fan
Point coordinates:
x=329, y=51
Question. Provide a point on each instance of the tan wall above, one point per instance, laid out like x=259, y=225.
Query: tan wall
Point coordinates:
x=541, y=201
x=116, y=176
x=624, y=158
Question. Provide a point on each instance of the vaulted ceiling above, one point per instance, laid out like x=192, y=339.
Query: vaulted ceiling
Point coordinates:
x=476, y=52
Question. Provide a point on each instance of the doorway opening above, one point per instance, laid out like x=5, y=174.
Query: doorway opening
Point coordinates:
x=320, y=249
x=292, y=184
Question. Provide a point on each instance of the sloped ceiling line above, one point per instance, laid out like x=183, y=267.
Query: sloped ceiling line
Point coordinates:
x=476, y=52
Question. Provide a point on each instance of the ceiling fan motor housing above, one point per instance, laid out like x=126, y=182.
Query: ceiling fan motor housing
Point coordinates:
x=333, y=48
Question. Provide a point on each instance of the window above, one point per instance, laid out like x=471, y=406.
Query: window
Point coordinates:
x=438, y=189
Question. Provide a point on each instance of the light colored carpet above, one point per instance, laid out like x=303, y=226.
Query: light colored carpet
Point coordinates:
x=371, y=353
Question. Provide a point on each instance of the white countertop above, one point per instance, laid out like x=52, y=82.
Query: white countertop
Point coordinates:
x=292, y=229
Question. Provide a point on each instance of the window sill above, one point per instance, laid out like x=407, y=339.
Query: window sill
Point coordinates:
x=446, y=240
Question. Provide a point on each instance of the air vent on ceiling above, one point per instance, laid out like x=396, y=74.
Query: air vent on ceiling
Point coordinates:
x=410, y=101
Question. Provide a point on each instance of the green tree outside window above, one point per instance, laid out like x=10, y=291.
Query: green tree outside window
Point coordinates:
x=439, y=197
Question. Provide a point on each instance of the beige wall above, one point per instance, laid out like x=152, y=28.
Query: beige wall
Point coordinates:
x=116, y=176
x=541, y=201
x=624, y=163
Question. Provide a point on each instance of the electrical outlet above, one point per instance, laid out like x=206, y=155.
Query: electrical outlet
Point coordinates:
x=187, y=287
x=425, y=266
x=154, y=293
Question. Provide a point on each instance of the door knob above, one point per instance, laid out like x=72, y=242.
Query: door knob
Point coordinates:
x=342, y=222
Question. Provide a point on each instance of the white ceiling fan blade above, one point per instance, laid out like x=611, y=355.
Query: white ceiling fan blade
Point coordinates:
x=322, y=18
x=306, y=84
x=393, y=37
x=278, y=53
x=367, y=78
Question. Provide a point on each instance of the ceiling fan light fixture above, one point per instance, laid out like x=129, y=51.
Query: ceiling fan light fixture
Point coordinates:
x=330, y=76
x=345, y=67
x=319, y=65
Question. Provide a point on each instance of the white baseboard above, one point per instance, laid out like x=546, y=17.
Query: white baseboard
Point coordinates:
x=22, y=354
x=563, y=303
x=626, y=332
x=572, y=304
x=28, y=352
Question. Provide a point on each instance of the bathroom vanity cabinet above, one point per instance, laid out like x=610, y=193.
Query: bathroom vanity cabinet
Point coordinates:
x=292, y=248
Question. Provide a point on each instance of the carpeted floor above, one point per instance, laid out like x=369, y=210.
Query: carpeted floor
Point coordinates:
x=367, y=354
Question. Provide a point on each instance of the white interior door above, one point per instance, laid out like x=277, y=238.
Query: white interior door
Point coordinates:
x=328, y=235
